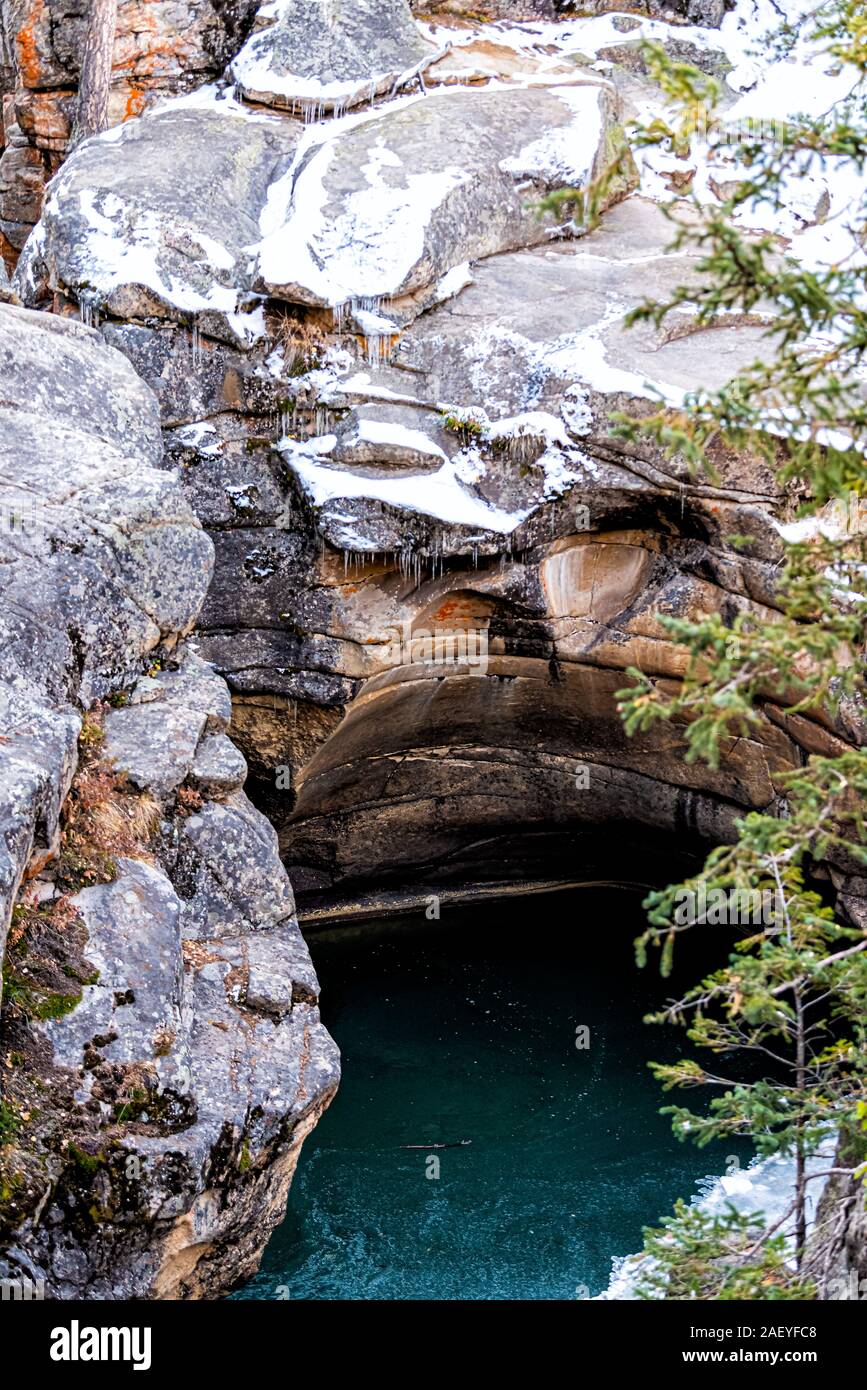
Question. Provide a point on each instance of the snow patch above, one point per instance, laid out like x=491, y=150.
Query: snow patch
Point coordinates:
x=439, y=494
x=360, y=247
x=564, y=154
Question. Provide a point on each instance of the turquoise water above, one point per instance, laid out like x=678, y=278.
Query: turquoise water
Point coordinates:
x=466, y=1029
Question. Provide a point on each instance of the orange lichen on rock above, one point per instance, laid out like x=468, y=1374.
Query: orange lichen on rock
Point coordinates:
x=30, y=58
x=135, y=103
x=44, y=116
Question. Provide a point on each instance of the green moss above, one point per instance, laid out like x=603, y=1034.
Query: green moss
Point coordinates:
x=88, y=1163
x=13, y=990
x=53, y=1005
x=10, y=1123
x=92, y=732
x=36, y=1003
x=133, y=1107
x=89, y=977
x=245, y=1160
x=10, y=1184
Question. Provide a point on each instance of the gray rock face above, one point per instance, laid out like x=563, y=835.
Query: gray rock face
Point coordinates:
x=102, y=558
x=220, y=379
x=178, y=1082
x=196, y=1048
x=327, y=55
x=384, y=210
x=156, y=739
x=474, y=487
x=218, y=767
x=156, y=219
x=836, y=1255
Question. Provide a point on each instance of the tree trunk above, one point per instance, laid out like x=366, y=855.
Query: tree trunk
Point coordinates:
x=91, y=112
x=800, y=1155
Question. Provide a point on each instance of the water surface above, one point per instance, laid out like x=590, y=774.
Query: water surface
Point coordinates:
x=465, y=1028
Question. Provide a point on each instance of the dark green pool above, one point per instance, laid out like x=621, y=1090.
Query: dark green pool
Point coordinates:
x=466, y=1029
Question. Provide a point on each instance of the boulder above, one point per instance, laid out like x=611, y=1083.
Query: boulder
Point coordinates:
x=380, y=211
x=379, y=437
x=158, y=737
x=323, y=56
x=156, y=218
x=218, y=767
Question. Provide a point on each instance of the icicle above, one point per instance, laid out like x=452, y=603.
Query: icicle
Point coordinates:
x=312, y=112
x=88, y=312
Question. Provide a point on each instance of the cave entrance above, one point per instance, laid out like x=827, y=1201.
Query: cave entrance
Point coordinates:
x=514, y=1023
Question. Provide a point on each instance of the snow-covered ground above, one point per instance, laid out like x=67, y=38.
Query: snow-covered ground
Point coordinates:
x=761, y=87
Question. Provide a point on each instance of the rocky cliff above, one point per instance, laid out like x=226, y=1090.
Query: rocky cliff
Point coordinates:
x=385, y=365
x=163, y=1055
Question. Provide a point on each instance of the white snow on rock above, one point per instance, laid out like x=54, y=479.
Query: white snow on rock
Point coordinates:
x=122, y=248
x=366, y=249
x=438, y=494
x=566, y=154
x=581, y=356
x=389, y=432
x=453, y=282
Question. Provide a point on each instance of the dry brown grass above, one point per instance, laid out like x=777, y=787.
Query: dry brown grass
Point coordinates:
x=303, y=342
x=104, y=817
